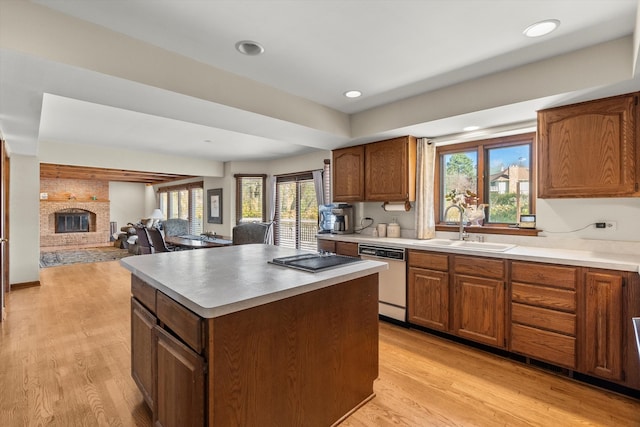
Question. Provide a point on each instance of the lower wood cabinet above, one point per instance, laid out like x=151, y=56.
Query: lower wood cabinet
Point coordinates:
x=428, y=290
x=429, y=298
x=347, y=248
x=142, y=363
x=479, y=299
x=603, y=325
x=338, y=247
x=543, y=312
x=165, y=364
x=479, y=309
x=572, y=317
x=469, y=303
x=180, y=386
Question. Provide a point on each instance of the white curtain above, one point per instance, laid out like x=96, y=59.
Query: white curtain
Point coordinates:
x=318, y=184
x=425, y=181
x=271, y=210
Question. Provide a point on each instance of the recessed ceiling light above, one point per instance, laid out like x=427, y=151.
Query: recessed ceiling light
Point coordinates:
x=470, y=128
x=248, y=47
x=353, y=94
x=541, y=28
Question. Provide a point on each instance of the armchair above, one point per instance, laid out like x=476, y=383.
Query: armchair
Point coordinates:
x=175, y=227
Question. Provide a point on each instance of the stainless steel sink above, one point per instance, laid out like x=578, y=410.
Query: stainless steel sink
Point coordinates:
x=464, y=244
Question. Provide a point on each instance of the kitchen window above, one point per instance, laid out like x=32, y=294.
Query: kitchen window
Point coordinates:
x=296, y=212
x=185, y=202
x=497, y=172
x=250, y=198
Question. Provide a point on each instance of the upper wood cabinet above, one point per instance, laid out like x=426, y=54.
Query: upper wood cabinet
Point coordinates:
x=589, y=149
x=348, y=174
x=390, y=170
x=382, y=171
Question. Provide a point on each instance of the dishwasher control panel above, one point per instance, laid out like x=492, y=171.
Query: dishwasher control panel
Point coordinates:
x=382, y=252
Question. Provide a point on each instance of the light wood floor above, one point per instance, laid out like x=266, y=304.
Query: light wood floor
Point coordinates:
x=64, y=361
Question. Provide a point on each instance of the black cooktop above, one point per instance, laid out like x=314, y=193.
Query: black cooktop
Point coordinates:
x=314, y=262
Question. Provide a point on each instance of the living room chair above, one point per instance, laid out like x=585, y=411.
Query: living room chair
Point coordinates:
x=157, y=240
x=175, y=227
x=143, y=244
x=252, y=232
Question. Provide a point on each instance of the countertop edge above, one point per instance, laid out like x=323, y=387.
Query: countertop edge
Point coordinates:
x=336, y=276
x=572, y=257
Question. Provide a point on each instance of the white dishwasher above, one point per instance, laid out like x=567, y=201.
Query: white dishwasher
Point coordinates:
x=392, y=298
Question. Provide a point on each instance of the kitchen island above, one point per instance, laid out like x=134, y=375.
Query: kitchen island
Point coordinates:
x=221, y=337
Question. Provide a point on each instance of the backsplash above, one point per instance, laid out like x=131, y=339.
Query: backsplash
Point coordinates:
x=561, y=241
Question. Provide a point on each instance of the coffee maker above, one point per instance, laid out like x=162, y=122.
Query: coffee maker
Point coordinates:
x=343, y=223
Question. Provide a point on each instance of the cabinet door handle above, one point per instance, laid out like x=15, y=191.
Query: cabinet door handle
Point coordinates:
x=3, y=240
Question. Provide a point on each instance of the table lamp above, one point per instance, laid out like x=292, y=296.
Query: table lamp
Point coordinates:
x=156, y=216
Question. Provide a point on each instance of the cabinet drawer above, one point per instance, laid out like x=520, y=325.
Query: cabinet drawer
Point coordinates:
x=541, y=296
x=428, y=260
x=347, y=248
x=559, y=277
x=564, y=323
x=326, y=245
x=476, y=266
x=544, y=345
x=187, y=325
x=144, y=293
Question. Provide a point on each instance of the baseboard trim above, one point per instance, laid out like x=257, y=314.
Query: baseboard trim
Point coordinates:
x=16, y=286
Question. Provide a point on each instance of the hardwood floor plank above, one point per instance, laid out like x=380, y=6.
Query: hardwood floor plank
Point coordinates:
x=65, y=361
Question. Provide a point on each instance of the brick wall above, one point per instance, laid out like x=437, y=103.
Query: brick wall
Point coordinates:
x=59, y=192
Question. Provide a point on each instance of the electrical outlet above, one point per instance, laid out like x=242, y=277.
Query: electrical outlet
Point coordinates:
x=609, y=225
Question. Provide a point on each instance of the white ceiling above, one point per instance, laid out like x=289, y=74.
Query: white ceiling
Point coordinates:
x=315, y=50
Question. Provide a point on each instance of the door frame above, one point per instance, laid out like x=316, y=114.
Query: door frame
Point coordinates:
x=4, y=226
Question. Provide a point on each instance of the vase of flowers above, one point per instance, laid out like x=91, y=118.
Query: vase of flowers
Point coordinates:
x=468, y=201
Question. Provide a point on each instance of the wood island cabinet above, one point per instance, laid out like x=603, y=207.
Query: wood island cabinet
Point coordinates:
x=390, y=170
x=348, y=174
x=310, y=359
x=428, y=290
x=142, y=366
x=169, y=373
x=180, y=385
x=589, y=149
x=479, y=299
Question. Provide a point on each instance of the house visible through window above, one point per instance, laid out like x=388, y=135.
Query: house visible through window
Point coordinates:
x=250, y=198
x=296, y=212
x=497, y=172
x=185, y=202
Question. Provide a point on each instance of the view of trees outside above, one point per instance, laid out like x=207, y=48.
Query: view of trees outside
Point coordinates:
x=460, y=175
x=251, y=197
x=508, y=181
x=297, y=199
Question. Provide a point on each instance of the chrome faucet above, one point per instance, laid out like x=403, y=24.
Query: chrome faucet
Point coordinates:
x=462, y=234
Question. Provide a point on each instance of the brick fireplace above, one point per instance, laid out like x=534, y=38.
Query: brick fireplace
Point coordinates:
x=67, y=199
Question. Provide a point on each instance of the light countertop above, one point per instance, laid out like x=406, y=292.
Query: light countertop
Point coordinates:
x=581, y=258
x=218, y=281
